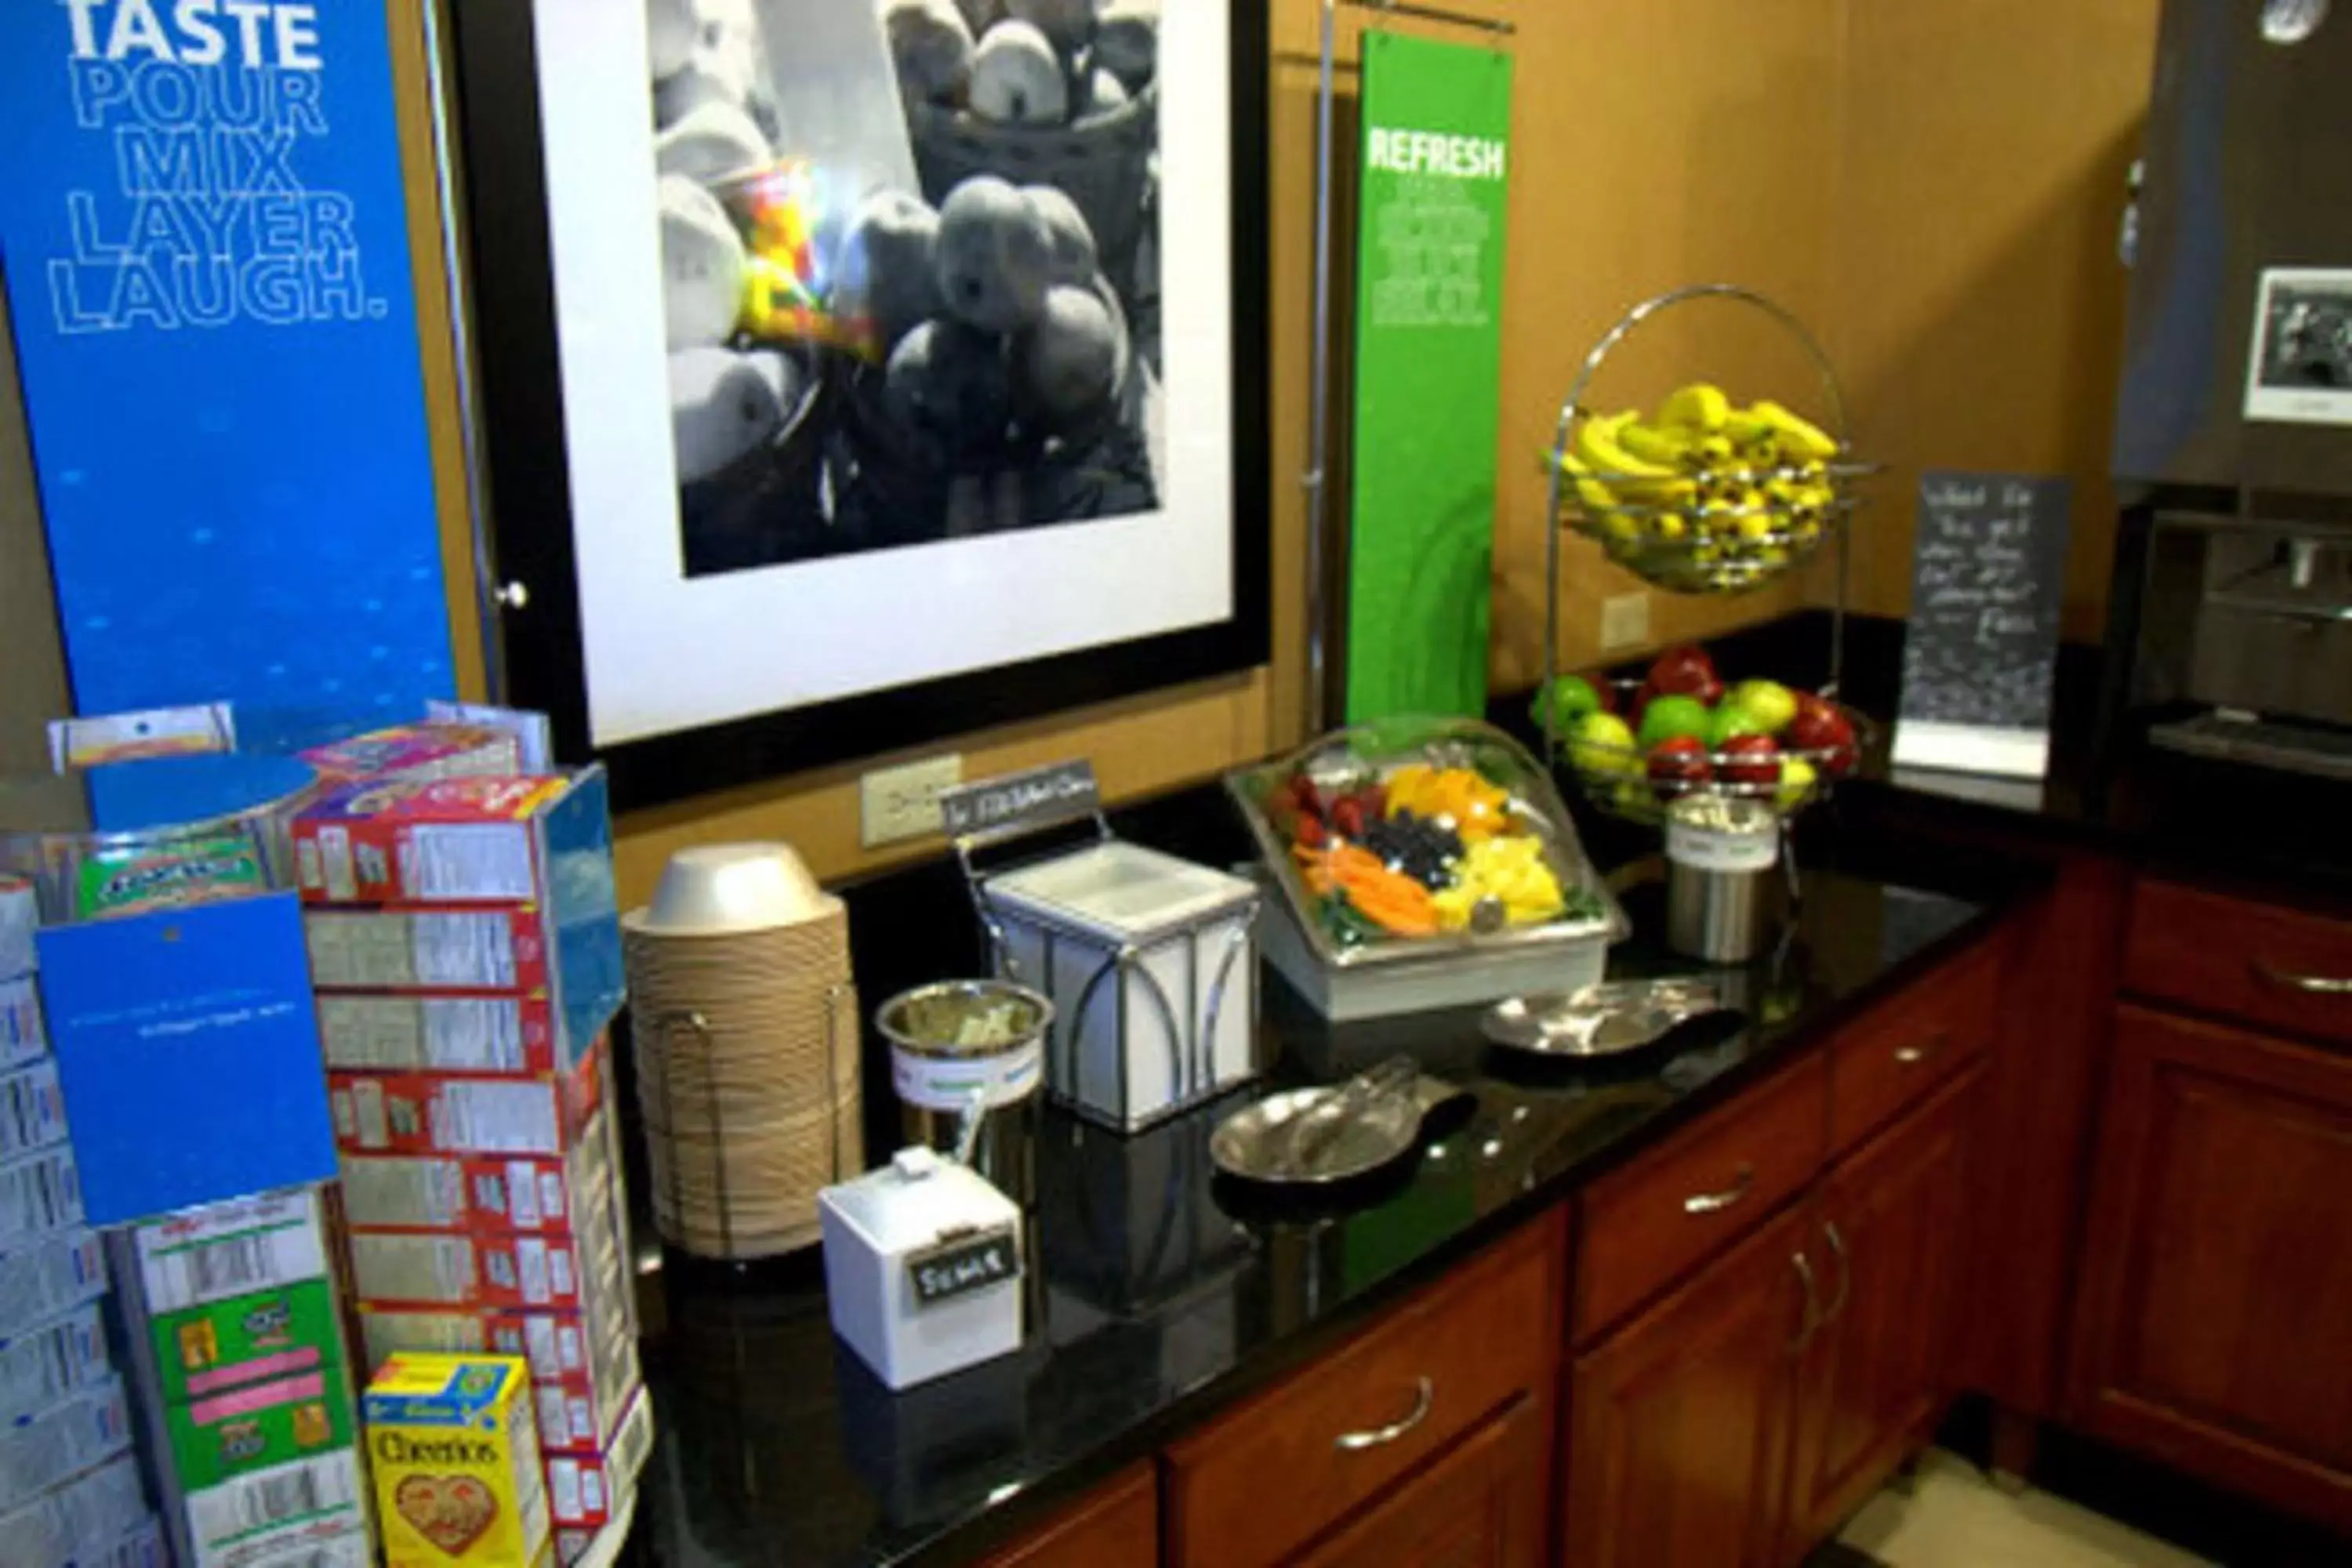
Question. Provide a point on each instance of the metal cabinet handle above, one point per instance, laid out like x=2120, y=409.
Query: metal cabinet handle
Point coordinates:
x=1845, y=1274
x=1912, y=1056
x=1425, y=1396
x=1716, y=1203
x=1809, y=1322
x=2308, y=984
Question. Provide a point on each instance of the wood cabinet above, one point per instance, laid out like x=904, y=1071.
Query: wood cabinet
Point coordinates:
x=1118, y=1523
x=2212, y=1327
x=1678, y=1422
x=1876, y=1373
x=1482, y=1505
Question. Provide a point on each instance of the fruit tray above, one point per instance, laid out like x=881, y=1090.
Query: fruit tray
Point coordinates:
x=1635, y=747
x=1703, y=495
x=1418, y=837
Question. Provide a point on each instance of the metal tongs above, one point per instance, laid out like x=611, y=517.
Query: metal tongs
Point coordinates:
x=1312, y=1133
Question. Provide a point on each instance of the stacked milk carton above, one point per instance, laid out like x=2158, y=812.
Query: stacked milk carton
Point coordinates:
x=464, y=946
x=69, y=1489
x=237, y=1330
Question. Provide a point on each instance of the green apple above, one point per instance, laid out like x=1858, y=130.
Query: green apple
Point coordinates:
x=1600, y=744
x=1730, y=718
x=1572, y=697
x=1770, y=703
x=1671, y=718
x=1797, y=779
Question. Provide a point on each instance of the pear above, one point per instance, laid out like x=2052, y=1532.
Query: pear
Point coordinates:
x=1126, y=41
x=712, y=143
x=1074, y=257
x=723, y=404
x=996, y=255
x=932, y=46
x=1017, y=79
x=702, y=265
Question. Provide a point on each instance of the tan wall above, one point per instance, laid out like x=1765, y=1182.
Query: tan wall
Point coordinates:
x=1922, y=180
x=1980, y=301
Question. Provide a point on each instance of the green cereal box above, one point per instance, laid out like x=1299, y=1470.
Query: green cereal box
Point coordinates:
x=259, y=1425
x=268, y=1334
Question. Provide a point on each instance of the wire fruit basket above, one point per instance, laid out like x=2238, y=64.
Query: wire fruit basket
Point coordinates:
x=1626, y=780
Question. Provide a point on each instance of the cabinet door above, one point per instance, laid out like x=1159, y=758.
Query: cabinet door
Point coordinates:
x=1679, y=1421
x=2213, y=1330
x=1877, y=1372
x=1118, y=1524
x=1481, y=1505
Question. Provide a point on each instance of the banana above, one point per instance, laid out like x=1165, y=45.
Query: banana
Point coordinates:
x=1593, y=495
x=1799, y=437
x=1744, y=427
x=1667, y=447
x=1598, y=446
x=1701, y=407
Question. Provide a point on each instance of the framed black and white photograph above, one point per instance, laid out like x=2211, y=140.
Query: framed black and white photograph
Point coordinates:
x=2301, y=369
x=856, y=373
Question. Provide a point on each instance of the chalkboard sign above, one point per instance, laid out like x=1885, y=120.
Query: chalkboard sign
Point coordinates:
x=1988, y=585
x=960, y=1267
x=1059, y=792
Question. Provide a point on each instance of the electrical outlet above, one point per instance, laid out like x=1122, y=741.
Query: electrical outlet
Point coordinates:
x=1624, y=621
x=904, y=802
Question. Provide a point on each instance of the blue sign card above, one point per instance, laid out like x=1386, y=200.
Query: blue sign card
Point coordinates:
x=205, y=230
x=187, y=1044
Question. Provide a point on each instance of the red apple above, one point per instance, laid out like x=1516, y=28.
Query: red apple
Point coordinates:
x=1758, y=761
x=1686, y=671
x=1679, y=765
x=1819, y=727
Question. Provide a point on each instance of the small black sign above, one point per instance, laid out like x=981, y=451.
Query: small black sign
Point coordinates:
x=1989, y=583
x=1040, y=796
x=960, y=1267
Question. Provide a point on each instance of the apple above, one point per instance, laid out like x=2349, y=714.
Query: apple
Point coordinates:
x=1679, y=765
x=1074, y=257
x=711, y=142
x=1769, y=702
x=888, y=267
x=723, y=404
x=1796, y=781
x=996, y=255
x=1686, y=671
x=1673, y=718
x=950, y=383
x=1103, y=94
x=702, y=265
x=931, y=44
x=1749, y=759
x=671, y=29
x=1602, y=743
x=1819, y=727
x=1570, y=698
x=1016, y=77
x=1075, y=356
x=1728, y=719
x=1126, y=41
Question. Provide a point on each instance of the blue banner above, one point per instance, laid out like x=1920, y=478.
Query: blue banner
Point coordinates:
x=203, y=227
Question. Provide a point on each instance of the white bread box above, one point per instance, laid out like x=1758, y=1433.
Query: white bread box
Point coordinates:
x=922, y=1267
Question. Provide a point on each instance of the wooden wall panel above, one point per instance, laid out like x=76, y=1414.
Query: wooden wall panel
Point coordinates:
x=1980, y=300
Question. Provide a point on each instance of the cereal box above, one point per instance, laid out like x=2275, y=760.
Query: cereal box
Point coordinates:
x=32, y=1110
x=202, y=1350
x=22, y=1036
x=581, y=1381
x=480, y=1195
x=44, y=1365
x=465, y=1270
x=582, y=1492
x=20, y=916
x=420, y=751
x=41, y=1279
x=428, y=948
x=466, y=841
x=62, y=1441
x=456, y=1463
x=259, y=1425
x=167, y=876
x=276, y=1514
x=54, y=1529
x=39, y=1193
x=439, y=1113
x=439, y=1033
x=229, y=1249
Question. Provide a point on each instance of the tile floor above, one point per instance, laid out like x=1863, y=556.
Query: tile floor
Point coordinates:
x=1956, y=1518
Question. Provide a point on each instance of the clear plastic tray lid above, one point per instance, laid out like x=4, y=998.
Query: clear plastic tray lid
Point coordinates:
x=1414, y=837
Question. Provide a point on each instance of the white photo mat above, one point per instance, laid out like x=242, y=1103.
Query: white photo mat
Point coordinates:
x=665, y=654
x=2299, y=368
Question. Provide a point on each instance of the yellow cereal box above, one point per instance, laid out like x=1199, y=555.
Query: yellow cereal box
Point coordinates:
x=455, y=1455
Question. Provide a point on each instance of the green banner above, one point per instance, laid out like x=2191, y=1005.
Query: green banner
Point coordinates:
x=1436, y=167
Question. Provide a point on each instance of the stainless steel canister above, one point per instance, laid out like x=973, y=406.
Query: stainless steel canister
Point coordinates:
x=1723, y=897
x=967, y=1057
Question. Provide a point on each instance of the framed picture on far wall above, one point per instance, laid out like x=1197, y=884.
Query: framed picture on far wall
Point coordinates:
x=856, y=372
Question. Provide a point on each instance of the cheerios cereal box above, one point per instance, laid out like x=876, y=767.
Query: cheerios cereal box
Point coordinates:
x=456, y=1457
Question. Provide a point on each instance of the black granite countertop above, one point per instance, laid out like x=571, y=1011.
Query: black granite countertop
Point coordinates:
x=1160, y=1294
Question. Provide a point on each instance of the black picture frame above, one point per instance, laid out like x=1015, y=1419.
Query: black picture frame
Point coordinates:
x=493, y=78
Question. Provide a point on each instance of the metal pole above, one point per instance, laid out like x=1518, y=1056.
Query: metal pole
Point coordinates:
x=1317, y=480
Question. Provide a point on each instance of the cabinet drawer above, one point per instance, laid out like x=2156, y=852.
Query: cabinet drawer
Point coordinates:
x=1256, y=1484
x=1118, y=1523
x=2259, y=961
x=1883, y=1065
x=1673, y=1208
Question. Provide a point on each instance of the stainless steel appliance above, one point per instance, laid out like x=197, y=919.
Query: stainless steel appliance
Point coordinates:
x=2230, y=623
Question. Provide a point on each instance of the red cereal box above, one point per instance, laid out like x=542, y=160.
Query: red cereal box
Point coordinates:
x=457, y=841
x=583, y=1371
x=422, y=752
x=445, y=1113
x=583, y=1491
x=373, y=1032
x=477, y=1194
x=426, y=947
x=420, y=1269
